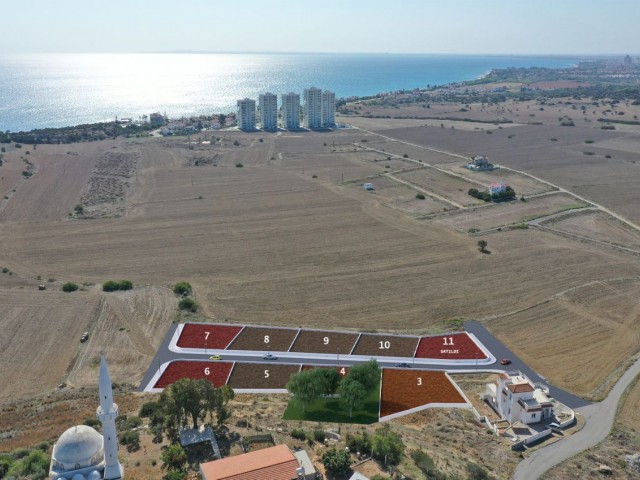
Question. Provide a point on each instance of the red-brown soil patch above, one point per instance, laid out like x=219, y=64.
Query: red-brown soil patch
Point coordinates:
x=257, y=338
x=261, y=375
x=194, y=335
x=406, y=389
x=218, y=372
x=324, y=342
x=386, y=346
x=455, y=346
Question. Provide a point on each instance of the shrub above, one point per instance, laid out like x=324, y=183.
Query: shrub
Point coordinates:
x=188, y=304
x=69, y=287
x=113, y=285
x=588, y=141
x=588, y=153
x=18, y=145
x=420, y=196
x=131, y=440
x=608, y=127
x=298, y=434
x=236, y=143
x=607, y=156
x=405, y=156
x=91, y=422
x=181, y=288
x=239, y=165
x=79, y=209
x=318, y=435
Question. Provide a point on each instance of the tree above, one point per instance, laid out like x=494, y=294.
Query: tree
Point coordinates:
x=131, y=440
x=182, y=288
x=367, y=374
x=352, y=394
x=307, y=386
x=69, y=287
x=174, y=458
x=482, y=245
x=332, y=379
x=387, y=446
x=336, y=462
x=188, y=304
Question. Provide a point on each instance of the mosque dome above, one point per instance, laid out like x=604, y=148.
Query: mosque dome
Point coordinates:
x=95, y=475
x=78, y=476
x=79, y=447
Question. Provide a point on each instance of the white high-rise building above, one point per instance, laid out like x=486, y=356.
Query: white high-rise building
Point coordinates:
x=328, y=109
x=246, y=116
x=291, y=111
x=268, y=106
x=312, y=107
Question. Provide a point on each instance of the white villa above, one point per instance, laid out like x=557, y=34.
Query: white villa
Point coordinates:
x=497, y=187
x=515, y=398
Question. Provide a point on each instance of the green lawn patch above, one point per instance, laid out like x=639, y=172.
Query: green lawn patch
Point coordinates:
x=330, y=410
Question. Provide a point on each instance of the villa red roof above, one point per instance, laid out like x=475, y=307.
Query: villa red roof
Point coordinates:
x=275, y=463
x=520, y=388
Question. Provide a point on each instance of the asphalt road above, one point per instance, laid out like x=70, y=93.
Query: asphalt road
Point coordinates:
x=599, y=420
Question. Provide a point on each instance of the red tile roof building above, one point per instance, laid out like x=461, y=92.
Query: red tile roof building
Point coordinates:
x=275, y=463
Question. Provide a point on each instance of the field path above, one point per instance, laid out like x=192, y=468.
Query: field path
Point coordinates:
x=599, y=420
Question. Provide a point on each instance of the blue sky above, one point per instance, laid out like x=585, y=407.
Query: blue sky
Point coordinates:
x=401, y=26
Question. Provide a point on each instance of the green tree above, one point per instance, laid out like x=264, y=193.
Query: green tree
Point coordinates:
x=387, y=446
x=307, y=386
x=79, y=209
x=69, y=287
x=336, y=462
x=174, y=458
x=188, y=304
x=367, y=374
x=352, y=394
x=182, y=288
x=332, y=379
x=34, y=466
x=131, y=440
x=482, y=245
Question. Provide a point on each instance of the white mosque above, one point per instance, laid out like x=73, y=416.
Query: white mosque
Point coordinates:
x=81, y=453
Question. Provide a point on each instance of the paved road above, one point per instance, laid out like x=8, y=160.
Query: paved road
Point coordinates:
x=599, y=419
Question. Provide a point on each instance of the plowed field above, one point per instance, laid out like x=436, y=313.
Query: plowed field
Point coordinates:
x=257, y=338
x=324, y=342
x=216, y=372
x=456, y=346
x=263, y=375
x=386, y=346
x=202, y=335
x=406, y=389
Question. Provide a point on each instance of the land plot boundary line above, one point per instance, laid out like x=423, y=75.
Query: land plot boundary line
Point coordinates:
x=226, y=382
x=417, y=346
x=355, y=344
x=236, y=336
x=426, y=406
x=380, y=394
x=455, y=385
x=294, y=340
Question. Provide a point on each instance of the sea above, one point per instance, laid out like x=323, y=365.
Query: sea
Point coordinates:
x=56, y=90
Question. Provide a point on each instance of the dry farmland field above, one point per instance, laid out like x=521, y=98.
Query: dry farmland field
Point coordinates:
x=282, y=241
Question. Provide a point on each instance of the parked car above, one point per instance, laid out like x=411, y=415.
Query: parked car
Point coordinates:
x=84, y=337
x=215, y=357
x=403, y=365
x=42, y=287
x=270, y=356
x=505, y=361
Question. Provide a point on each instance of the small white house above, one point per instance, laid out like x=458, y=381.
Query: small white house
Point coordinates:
x=498, y=187
x=368, y=186
x=516, y=398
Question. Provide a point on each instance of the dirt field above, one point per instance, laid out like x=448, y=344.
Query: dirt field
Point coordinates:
x=406, y=389
x=197, y=335
x=598, y=226
x=447, y=186
x=324, y=342
x=262, y=375
x=216, y=372
x=452, y=346
x=268, y=339
x=600, y=317
x=509, y=213
x=386, y=346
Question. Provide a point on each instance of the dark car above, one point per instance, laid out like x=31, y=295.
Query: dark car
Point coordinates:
x=403, y=365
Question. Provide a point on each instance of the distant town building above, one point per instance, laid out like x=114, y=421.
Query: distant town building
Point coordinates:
x=312, y=107
x=268, y=106
x=328, y=109
x=157, y=119
x=246, y=116
x=516, y=398
x=291, y=111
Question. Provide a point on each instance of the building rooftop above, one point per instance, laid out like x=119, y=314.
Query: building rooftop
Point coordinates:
x=275, y=463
